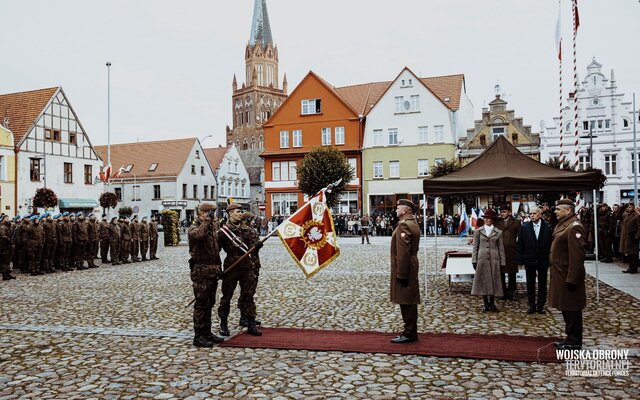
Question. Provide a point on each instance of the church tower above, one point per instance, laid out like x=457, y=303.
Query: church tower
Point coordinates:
x=260, y=95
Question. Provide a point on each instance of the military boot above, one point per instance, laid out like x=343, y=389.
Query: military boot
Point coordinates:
x=252, y=329
x=7, y=276
x=214, y=338
x=243, y=322
x=224, y=327
x=201, y=340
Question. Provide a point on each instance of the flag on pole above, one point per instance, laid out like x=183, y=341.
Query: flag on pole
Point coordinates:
x=559, y=32
x=576, y=19
x=474, y=218
x=310, y=236
x=463, y=228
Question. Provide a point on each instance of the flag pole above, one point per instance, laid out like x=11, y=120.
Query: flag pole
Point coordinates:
x=424, y=231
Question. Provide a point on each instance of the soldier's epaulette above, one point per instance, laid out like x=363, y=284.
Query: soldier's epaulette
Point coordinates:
x=576, y=223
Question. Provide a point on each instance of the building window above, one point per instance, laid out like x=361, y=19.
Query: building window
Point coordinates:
x=195, y=191
x=56, y=135
x=340, y=135
x=394, y=169
x=284, y=171
x=245, y=144
x=73, y=138
x=415, y=103
x=68, y=173
x=514, y=138
x=244, y=190
x=625, y=123
x=348, y=203
x=293, y=170
x=284, y=203
x=253, y=143
x=118, y=193
x=399, y=104
x=311, y=106
x=2, y=177
x=128, y=168
x=184, y=190
x=153, y=167
x=497, y=131
x=34, y=169
x=198, y=154
x=610, y=167
x=205, y=195
x=423, y=167
x=423, y=134
x=297, y=138
x=156, y=191
x=275, y=171
x=193, y=170
x=229, y=188
x=201, y=170
x=48, y=134
x=584, y=162
x=567, y=127
x=393, y=136
x=353, y=163
x=483, y=140
x=607, y=123
x=136, y=193
x=261, y=142
x=634, y=164
x=585, y=126
x=284, y=139
x=377, y=169
x=235, y=189
x=377, y=137
x=326, y=136
x=438, y=131
x=88, y=174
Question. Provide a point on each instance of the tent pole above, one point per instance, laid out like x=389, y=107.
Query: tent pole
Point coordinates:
x=424, y=232
x=595, y=236
x=435, y=235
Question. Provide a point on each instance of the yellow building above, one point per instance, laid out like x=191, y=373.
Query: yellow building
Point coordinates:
x=496, y=121
x=7, y=172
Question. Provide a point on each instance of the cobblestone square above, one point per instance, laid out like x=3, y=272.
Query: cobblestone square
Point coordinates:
x=123, y=332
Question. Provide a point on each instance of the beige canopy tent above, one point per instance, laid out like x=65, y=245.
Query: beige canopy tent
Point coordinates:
x=502, y=168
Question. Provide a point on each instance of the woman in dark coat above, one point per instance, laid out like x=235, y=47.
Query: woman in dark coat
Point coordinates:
x=487, y=258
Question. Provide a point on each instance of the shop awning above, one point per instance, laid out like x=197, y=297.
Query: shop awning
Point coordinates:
x=78, y=203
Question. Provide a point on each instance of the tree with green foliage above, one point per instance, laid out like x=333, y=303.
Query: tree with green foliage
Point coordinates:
x=108, y=200
x=170, y=227
x=321, y=167
x=125, y=212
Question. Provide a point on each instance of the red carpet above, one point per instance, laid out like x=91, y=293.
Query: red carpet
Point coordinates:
x=492, y=347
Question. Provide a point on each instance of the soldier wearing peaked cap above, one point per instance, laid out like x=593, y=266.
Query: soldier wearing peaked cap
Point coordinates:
x=405, y=289
x=80, y=241
x=153, y=239
x=114, y=241
x=567, y=290
x=144, y=238
x=103, y=235
x=135, y=239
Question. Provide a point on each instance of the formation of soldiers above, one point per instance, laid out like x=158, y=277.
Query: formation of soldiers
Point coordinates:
x=48, y=243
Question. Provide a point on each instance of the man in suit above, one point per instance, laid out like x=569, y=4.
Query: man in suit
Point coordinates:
x=534, y=244
x=567, y=290
x=510, y=227
x=405, y=289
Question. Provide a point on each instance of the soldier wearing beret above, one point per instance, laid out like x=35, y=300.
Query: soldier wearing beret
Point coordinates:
x=66, y=233
x=567, y=289
x=22, y=245
x=80, y=241
x=236, y=239
x=405, y=289
x=35, y=243
x=205, y=268
x=5, y=249
x=50, y=243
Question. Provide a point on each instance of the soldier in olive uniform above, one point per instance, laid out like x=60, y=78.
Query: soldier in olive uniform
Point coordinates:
x=67, y=242
x=22, y=243
x=92, y=239
x=114, y=241
x=95, y=244
x=405, y=289
x=125, y=241
x=135, y=239
x=80, y=241
x=606, y=222
x=236, y=240
x=103, y=234
x=35, y=243
x=567, y=290
x=58, y=261
x=205, y=268
x=250, y=291
x=153, y=239
x=510, y=227
x=5, y=249
x=15, y=235
x=144, y=238
x=50, y=243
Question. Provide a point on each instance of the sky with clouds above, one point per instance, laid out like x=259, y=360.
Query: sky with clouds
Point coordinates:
x=173, y=61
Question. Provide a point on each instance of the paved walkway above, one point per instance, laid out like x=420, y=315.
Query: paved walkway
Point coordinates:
x=611, y=274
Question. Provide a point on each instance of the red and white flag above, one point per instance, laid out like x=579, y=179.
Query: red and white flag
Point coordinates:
x=474, y=218
x=559, y=32
x=310, y=236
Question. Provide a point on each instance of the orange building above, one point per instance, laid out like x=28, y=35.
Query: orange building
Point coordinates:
x=315, y=114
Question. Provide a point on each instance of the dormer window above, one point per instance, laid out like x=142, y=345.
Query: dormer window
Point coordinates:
x=198, y=154
x=128, y=168
x=153, y=167
x=311, y=106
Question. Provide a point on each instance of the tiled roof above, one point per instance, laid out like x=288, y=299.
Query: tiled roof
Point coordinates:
x=215, y=155
x=170, y=155
x=23, y=108
x=363, y=96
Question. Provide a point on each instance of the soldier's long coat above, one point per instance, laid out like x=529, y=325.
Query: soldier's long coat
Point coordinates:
x=630, y=233
x=405, y=243
x=510, y=228
x=489, y=254
x=567, y=265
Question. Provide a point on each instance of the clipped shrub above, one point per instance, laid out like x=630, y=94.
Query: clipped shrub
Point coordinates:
x=170, y=226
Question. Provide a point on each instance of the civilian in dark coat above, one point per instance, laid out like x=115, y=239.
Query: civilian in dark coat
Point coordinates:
x=510, y=227
x=630, y=237
x=534, y=244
